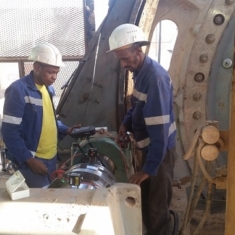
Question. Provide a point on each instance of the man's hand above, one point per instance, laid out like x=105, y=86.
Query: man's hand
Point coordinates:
x=37, y=166
x=121, y=134
x=138, y=178
x=69, y=131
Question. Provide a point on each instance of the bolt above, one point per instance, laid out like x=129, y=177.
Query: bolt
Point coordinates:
x=210, y=38
x=197, y=96
x=219, y=19
x=229, y=1
x=227, y=63
x=197, y=115
x=199, y=77
x=203, y=58
x=85, y=97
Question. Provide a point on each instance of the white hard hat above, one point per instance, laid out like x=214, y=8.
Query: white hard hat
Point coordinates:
x=46, y=53
x=125, y=35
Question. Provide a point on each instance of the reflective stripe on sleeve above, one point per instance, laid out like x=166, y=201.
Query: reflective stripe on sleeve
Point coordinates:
x=170, y=81
x=11, y=119
x=140, y=96
x=172, y=128
x=143, y=143
x=157, y=120
x=32, y=100
x=33, y=153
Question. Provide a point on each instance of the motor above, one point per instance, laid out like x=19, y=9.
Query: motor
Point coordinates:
x=86, y=169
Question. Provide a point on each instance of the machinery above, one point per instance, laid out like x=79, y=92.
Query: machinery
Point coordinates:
x=96, y=160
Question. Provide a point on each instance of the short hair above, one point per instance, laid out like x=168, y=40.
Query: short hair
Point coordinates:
x=135, y=45
x=41, y=64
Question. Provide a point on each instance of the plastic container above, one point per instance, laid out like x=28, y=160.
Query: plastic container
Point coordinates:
x=16, y=186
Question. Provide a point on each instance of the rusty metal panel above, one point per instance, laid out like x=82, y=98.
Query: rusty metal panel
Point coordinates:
x=92, y=97
x=25, y=23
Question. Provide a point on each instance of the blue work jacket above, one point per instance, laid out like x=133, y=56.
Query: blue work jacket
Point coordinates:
x=151, y=118
x=22, y=119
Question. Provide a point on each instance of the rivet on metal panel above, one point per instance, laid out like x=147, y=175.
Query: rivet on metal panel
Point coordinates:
x=203, y=58
x=197, y=96
x=197, y=115
x=229, y=1
x=227, y=63
x=199, y=77
x=219, y=19
x=85, y=96
x=210, y=38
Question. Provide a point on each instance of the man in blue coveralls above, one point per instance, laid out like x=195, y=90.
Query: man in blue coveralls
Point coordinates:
x=29, y=127
x=151, y=120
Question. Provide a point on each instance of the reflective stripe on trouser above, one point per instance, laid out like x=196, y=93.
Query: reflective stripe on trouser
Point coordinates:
x=156, y=194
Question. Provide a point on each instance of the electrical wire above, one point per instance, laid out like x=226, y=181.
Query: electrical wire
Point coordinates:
x=60, y=172
x=93, y=78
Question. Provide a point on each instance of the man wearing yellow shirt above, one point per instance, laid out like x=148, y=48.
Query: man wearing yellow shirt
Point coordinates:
x=29, y=127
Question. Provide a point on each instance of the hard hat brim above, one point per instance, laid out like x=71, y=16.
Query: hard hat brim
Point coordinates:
x=142, y=43
x=61, y=65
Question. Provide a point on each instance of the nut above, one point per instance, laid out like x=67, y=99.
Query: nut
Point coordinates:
x=210, y=38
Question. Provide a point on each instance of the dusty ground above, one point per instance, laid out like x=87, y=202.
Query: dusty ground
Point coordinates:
x=214, y=224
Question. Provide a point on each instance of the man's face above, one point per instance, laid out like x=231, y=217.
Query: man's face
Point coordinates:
x=129, y=60
x=45, y=74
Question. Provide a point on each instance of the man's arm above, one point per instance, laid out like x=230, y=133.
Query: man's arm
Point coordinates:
x=65, y=130
x=157, y=111
x=11, y=124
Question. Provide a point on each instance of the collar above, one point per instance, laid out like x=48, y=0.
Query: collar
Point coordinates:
x=30, y=81
x=140, y=74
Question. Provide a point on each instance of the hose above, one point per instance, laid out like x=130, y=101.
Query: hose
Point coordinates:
x=194, y=142
x=207, y=210
x=203, y=169
x=196, y=198
x=193, y=182
x=176, y=222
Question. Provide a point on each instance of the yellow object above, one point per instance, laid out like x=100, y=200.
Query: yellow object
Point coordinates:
x=47, y=146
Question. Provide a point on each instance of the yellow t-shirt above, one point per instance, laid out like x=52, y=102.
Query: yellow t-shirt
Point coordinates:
x=47, y=146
